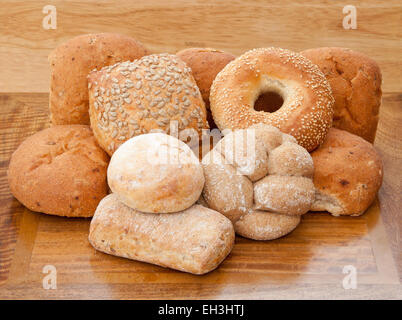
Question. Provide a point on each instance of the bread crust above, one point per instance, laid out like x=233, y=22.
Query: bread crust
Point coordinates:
x=355, y=80
x=264, y=225
x=266, y=201
x=348, y=174
x=196, y=240
x=70, y=64
x=205, y=64
x=307, y=110
x=60, y=171
x=156, y=172
x=133, y=98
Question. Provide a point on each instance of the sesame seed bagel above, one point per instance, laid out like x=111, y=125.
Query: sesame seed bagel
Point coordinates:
x=131, y=98
x=156, y=173
x=260, y=179
x=307, y=108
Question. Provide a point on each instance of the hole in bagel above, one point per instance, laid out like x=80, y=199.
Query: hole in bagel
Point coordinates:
x=268, y=101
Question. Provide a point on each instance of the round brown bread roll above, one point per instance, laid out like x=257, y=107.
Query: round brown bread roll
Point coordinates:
x=60, y=171
x=131, y=98
x=355, y=80
x=156, y=173
x=205, y=64
x=260, y=179
x=307, y=109
x=70, y=64
x=348, y=174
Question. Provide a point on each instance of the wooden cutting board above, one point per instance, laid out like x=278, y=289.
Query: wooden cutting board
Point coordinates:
x=308, y=263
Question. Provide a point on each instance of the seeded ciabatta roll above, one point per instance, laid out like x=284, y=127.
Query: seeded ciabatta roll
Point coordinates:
x=260, y=179
x=196, y=240
x=70, y=64
x=132, y=98
x=355, y=80
x=348, y=174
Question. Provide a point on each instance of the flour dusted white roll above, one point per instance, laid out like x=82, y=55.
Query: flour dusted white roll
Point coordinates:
x=196, y=240
x=264, y=189
x=156, y=172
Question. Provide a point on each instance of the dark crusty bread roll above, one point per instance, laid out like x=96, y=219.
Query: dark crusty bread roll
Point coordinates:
x=355, y=80
x=348, y=174
x=60, y=170
x=195, y=240
x=205, y=64
x=70, y=64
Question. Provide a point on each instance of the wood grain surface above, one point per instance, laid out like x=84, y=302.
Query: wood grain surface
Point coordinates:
x=306, y=264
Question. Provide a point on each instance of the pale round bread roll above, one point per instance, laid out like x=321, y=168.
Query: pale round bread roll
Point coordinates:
x=60, y=171
x=261, y=179
x=157, y=173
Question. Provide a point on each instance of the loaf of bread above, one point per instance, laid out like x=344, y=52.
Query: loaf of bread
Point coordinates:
x=60, y=171
x=132, y=98
x=196, y=240
x=70, y=64
x=348, y=174
x=156, y=172
x=355, y=80
x=261, y=179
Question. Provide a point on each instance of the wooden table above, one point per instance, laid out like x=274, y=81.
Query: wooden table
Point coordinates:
x=308, y=263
